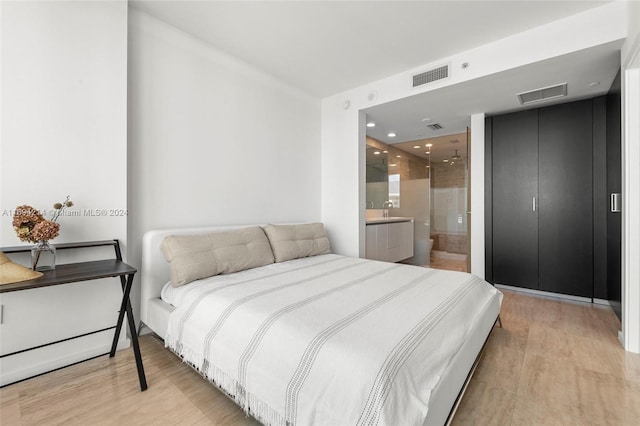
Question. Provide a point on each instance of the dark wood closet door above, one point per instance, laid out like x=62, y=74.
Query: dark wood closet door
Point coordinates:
x=614, y=186
x=565, y=212
x=515, y=184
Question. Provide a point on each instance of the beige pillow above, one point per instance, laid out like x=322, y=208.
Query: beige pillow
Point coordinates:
x=294, y=241
x=192, y=257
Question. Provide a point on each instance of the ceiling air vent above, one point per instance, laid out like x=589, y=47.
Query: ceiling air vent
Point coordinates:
x=435, y=126
x=543, y=94
x=435, y=74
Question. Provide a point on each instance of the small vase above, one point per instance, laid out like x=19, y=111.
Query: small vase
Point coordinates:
x=43, y=256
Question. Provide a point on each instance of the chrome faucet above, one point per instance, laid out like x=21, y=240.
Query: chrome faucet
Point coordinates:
x=386, y=206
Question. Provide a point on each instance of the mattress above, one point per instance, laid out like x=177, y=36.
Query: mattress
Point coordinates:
x=330, y=339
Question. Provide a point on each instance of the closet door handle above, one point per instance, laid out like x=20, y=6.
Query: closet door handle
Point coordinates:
x=533, y=203
x=615, y=203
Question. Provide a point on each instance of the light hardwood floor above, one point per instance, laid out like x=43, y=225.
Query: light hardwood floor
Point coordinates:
x=449, y=261
x=553, y=363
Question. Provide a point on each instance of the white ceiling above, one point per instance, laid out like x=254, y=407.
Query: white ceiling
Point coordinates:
x=326, y=47
x=452, y=106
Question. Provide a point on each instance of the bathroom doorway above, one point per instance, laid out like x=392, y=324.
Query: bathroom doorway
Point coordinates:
x=397, y=181
x=450, y=202
x=434, y=190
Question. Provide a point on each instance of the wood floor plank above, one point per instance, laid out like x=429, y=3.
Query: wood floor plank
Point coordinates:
x=451, y=262
x=486, y=403
x=582, y=395
x=502, y=360
x=9, y=406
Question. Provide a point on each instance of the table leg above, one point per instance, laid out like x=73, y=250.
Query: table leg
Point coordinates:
x=121, y=312
x=125, y=306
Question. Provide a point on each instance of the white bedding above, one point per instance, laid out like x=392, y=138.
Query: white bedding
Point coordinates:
x=327, y=340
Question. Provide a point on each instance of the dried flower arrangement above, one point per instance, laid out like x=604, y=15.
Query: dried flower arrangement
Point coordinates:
x=31, y=226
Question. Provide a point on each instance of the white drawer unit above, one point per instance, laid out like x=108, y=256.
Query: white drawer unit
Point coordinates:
x=389, y=241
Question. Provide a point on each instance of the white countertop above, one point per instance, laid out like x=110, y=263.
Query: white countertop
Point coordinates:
x=379, y=220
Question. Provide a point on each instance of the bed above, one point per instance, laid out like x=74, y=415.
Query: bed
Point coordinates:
x=324, y=339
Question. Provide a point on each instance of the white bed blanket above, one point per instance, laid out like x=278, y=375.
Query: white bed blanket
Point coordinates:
x=328, y=340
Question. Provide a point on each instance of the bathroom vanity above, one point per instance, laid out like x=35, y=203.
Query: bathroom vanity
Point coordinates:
x=389, y=238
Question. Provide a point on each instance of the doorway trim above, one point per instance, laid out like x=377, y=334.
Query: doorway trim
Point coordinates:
x=630, y=335
x=477, y=181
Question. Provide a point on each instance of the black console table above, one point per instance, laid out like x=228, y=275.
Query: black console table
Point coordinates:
x=87, y=271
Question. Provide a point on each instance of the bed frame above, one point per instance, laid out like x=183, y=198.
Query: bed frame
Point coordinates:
x=446, y=397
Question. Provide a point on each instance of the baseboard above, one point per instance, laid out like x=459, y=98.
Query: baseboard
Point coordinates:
x=545, y=293
x=33, y=363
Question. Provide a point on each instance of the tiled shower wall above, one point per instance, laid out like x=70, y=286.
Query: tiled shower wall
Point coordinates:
x=449, y=207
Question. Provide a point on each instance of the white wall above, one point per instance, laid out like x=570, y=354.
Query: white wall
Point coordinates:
x=63, y=131
x=64, y=112
x=633, y=30
x=213, y=140
x=631, y=182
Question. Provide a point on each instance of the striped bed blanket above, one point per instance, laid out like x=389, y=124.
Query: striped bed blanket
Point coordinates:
x=327, y=340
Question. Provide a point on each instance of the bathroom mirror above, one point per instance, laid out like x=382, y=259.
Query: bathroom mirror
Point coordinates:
x=377, y=177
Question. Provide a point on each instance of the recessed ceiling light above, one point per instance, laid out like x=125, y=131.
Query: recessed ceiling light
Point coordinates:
x=391, y=135
x=417, y=146
x=386, y=152
x=427, y=153
x=392, y=164
x=426, y=119
x=376, y=152
x=429, y=145
x=398, y=156
x=445, y=161
x=371, y=124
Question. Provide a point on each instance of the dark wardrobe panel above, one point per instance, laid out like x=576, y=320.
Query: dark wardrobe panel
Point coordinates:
x=488, y=205
x=566, y=201
x=614, y=185
x=600, y=198
x=515, y=184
